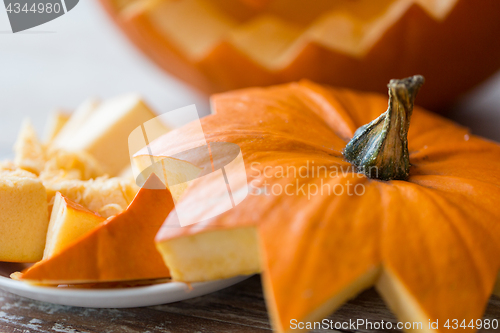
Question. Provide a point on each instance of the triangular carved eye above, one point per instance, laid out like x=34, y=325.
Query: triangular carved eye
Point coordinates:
x=26, y=14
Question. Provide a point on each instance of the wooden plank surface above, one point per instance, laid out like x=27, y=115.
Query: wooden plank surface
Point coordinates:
x=238, y=309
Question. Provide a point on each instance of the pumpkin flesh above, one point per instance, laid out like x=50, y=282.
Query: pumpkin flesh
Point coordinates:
x=119, y=249
x=429, y=244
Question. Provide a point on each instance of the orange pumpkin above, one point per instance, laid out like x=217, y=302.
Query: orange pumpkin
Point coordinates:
x=120, y=249
x=219, y=45
x=429, y=242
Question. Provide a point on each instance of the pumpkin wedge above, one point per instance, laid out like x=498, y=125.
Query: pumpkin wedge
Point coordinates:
x=23, y=216
x=29, y=152
x=120, y=249
x=106, y=196
x=322, y=229
x=68, y=222
x=169, y=170
x=221, y=45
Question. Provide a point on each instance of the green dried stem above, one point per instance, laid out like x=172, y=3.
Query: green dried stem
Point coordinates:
x=380, y=149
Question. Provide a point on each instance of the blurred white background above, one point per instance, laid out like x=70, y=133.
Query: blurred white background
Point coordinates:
x=82, y=54
x=65, y=61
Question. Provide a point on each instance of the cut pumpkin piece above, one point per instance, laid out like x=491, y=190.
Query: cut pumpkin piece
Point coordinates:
x=106, y=196
x=104, y=133
x=174, y=173
x=496, y=291
x=23, y=216
x=29, y=151
x=70, y=165
x=50, y=162
x=219, y=45
x=127, y=173
x=77, y=118
x=121, y=249
x=68, y=222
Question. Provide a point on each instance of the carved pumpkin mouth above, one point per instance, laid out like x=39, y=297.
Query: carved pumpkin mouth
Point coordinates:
x=351, y=27
x=219, y=45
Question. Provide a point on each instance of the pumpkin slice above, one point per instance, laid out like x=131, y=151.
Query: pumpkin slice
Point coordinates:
x=23, y=216
x=222, y=45
x=50, y=162
x=174, y=173
x=68, y=222
x=322, y=229
x=211, y=255
x=77, y=118
x=29, y=152
x=105, y=131
x=120, y=249
x=106, y=196
x=127, y=173
x=55, y=123
x=176, y=169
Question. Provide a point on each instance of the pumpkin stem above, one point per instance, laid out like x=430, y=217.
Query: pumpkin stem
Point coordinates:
x=380, y=149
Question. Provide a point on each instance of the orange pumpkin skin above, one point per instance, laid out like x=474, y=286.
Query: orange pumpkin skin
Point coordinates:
x=431, y=243
x=121, y=249
x=454, y=52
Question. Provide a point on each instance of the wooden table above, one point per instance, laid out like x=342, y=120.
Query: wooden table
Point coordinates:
x=238, y=309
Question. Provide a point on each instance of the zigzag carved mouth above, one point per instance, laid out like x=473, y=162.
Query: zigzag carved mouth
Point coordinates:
x=350, y=27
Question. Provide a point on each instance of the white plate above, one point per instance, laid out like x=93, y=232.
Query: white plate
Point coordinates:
x=111, y=298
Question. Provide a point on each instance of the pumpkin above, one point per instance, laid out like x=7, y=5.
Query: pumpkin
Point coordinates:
x=422, y=226
x=120, y=249
x=219, y=45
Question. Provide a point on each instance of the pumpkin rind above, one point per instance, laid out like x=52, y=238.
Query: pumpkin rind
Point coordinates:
x=451, y=42
x=431, y=244
x=380, y=149
x=120, y=249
